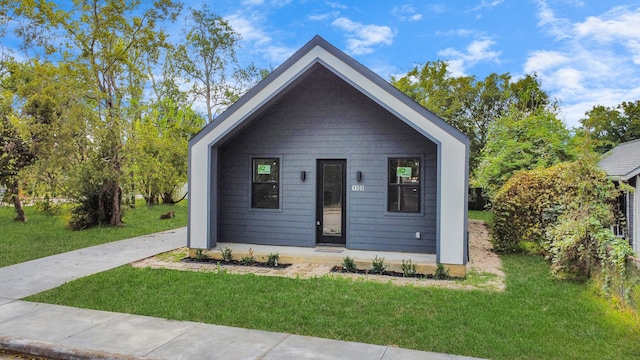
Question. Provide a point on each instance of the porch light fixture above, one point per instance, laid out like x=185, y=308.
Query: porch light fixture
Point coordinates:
x=303, y=175
x=359, y=176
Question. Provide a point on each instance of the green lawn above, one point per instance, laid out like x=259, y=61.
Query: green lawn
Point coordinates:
x=535, y=318
x=486, y=216
x=44, y=235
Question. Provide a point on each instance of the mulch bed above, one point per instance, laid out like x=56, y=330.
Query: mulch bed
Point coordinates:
x=342, y=270
x=234, y=262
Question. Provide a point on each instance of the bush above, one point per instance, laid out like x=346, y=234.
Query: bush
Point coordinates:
x=349, y=264
x=377, y=265
x=441, y=272
x=408, y=268
x=531, y=201
x=227, y=254
x=524, y=206
x=272, y=260
x=566, y=212
x=248, y=259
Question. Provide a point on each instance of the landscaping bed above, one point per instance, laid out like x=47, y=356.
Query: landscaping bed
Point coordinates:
x=192, y=260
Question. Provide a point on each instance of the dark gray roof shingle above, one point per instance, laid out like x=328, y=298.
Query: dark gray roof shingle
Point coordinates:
x=623, y=161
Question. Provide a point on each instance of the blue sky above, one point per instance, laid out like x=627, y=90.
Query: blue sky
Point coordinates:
x=585, y=53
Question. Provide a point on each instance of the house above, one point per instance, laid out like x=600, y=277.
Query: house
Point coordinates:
x=324, y=151
x=622, y=164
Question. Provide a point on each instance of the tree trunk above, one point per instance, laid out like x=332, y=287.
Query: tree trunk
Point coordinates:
x=167, y=198
x=102, y=211
x=17, y=204
x=116, y=202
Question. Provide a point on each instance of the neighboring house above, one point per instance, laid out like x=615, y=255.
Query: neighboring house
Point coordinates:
x=324, y=151
x=622, y=164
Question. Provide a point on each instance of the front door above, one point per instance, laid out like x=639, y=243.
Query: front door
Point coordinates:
x=331, y=204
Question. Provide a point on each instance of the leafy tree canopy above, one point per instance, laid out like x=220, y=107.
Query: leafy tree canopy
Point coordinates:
x=521, y=141
x=610, y=126
x=470, y=104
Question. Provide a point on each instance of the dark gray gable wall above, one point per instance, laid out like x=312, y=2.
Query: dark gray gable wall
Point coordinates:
x=323, y=117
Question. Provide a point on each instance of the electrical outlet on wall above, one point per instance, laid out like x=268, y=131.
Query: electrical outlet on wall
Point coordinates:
x=417, y=234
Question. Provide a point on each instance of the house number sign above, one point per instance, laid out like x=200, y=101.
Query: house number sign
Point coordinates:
x=357, y=187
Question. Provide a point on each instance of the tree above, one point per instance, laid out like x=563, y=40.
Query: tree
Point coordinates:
x=104, y=42
x=469, y=104
x=15, y=155
x=35, y=138
x=53, y=116
x=522, y=141
x=204, y=58
x=160, y=147
x=610, y=126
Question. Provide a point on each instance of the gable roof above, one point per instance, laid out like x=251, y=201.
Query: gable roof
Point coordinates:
x=623, y=161
x=319, y=51
x=452, y=154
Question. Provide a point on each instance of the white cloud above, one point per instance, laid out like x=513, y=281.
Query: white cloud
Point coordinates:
x=557, y=27
x=406, y=13
x=477, y=51
x=252, y=2
x=362, y=38
x=272, y=3
x=596, y=61
x=487, y=4
x=245, y=26
x=260, y=42
x=542, y=60
x=617, y=23
x=437, y=8
x=336, y=5
x=323, y=17
x=278, y=54
x=458, y=32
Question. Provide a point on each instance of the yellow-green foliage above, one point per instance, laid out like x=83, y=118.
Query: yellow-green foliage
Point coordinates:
x=524, y=205
x=532, y=200
x=566, y=211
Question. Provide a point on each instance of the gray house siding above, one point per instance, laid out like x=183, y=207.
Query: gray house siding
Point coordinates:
x=322, y=117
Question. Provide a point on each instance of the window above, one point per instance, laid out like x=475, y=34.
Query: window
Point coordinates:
x=404, y=185
x=265, y=186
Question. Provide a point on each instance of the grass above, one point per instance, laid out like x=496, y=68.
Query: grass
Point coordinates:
x=486, y=216
x=44, y=235
x=536, y=317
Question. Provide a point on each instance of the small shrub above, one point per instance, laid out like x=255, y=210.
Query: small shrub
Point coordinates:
x=226, y=254
x=441, y=272
x=272, y=260
x=408, y=269
x=248, y=259
x=48, y=207
x=349, y=264
x=378, y=265
x=200, y=255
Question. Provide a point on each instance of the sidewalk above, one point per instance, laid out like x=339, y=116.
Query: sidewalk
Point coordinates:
x=71, y=333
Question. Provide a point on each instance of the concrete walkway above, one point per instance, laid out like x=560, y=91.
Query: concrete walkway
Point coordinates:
x=70, y=333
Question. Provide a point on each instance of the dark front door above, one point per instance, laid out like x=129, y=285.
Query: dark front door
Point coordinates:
x=331, y=214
